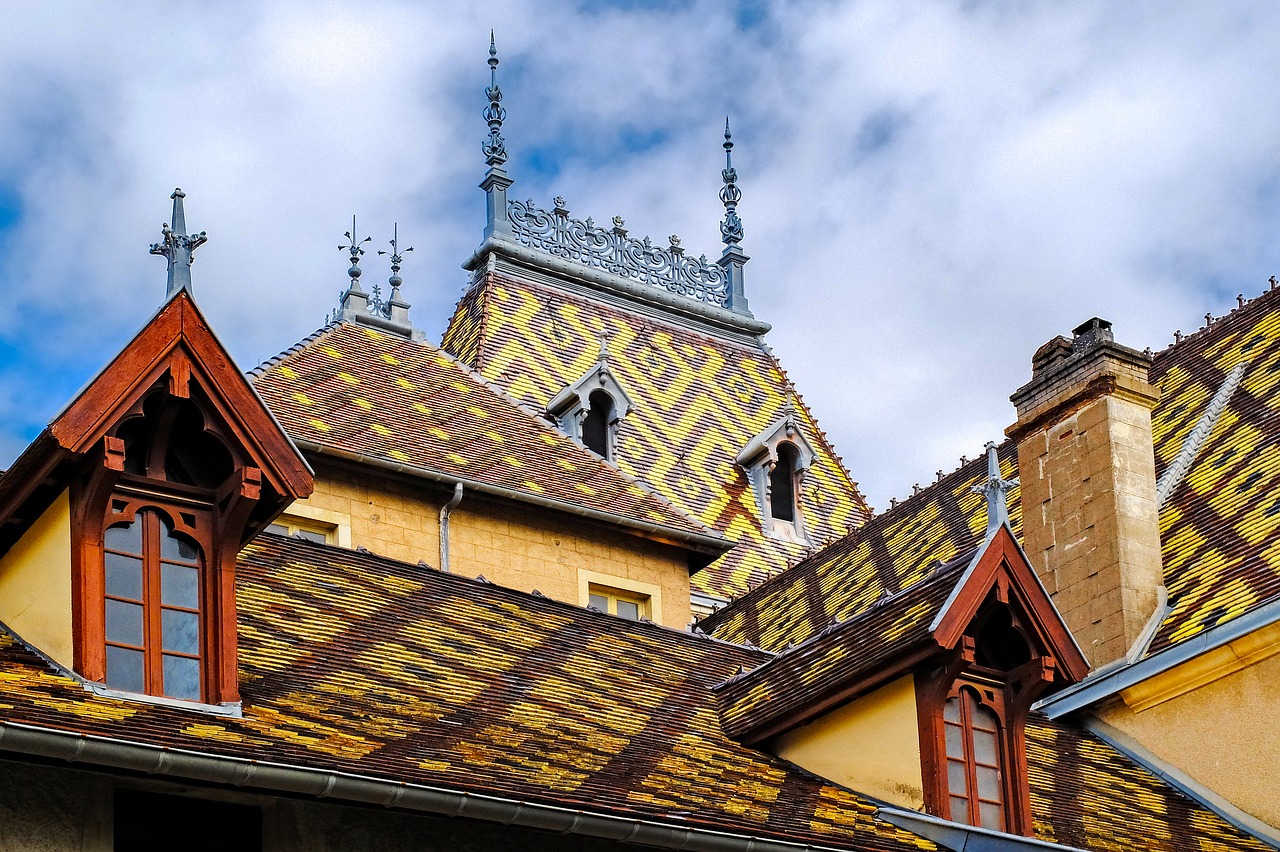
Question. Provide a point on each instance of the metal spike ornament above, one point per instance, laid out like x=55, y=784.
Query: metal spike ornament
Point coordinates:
x=397, y=257
x=495, y=147
x=996, y=489
x=177, y=247
x=355, y=249
x=731, y=227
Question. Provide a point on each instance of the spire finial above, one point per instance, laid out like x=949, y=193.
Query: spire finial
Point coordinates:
x=354, y=247
x=397, y=257
x=996, y=490
x=603, y=336
x=731, y=227
x=495, y=147
x=178, y=246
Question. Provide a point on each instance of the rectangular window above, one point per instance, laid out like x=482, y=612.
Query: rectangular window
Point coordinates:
x=153, y=821
x=317, y=531
x=629, y=605
x=152, y=606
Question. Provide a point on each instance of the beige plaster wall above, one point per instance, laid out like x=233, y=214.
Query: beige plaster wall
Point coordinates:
x=35, y=583
x=871, y=745
x=1222, y=734
x=521, y=547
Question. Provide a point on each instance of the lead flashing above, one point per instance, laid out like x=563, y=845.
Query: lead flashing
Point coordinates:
x=1112, y=681
x=962, y=838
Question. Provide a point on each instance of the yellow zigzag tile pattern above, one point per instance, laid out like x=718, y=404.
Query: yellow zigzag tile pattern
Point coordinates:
x=1220, y=530
x=699, y=400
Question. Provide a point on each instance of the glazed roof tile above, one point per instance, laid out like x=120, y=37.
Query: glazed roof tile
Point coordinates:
x=893, y=551
x=351, y=662
x=841, y=653
x=1220, y=529
x=381, y=396
x=699, y=400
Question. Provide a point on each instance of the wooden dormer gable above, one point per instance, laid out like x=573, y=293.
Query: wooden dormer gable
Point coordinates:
x=1000, y=577
x=165, y=465
x=177, y=356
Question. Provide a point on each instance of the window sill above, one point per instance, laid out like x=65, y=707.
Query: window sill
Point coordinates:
x=232, y=709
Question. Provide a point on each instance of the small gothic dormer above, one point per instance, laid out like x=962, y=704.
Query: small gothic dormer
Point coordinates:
x=142, y=492
x=590, y=409
x=774, y=462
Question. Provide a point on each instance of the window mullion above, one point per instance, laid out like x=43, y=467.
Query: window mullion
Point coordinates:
x=970, y=757
x=151, y=595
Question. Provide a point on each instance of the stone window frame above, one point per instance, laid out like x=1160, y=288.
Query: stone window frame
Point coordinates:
x=757, y=460
x=570, y=407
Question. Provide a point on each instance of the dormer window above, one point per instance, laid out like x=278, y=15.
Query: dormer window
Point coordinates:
x=976, y=775
x=774, y=462
x=782, y=483
x=152, y=590
x=600, y=421
x=591, y=409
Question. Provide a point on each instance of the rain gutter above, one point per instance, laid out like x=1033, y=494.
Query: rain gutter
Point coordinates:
x=711, y=544
x=104, y=752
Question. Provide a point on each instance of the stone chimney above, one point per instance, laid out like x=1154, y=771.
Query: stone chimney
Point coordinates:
x=1087, y=466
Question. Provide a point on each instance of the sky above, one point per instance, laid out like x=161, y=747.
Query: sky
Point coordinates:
x=931, y=190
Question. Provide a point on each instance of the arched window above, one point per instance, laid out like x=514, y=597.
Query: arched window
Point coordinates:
x=975, y=759
x=152, y=590
x=782, y=484
x=598, y=423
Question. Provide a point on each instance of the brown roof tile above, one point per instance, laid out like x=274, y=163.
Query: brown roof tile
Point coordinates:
x=383, y=397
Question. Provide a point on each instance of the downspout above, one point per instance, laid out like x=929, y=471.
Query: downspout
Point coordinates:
x=444, y=525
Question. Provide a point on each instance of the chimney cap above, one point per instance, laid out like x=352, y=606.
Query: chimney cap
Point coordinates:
x=1092, y=331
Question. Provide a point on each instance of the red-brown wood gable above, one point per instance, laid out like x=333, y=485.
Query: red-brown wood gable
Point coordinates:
x=1003, y=567
x=179, y=342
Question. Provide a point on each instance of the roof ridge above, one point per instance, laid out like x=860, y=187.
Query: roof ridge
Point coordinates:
x=1243, y=306
x=820, y=433
x=279, y=358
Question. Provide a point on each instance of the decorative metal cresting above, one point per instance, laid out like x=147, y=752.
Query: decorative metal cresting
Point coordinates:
x=178, y=246
x=611, y=250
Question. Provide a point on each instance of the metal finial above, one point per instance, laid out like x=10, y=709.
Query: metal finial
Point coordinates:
x=731, y=227
x=353, y=246
x=495, y=147
x=177, y=247
x=996, y=490
x=397, y=257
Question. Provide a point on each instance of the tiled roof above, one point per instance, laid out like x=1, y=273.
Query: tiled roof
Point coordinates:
x=699, y=400
x=1220, y=529
x=842, y=652
x=354, y=663
x=383, y=397
x=891, y=552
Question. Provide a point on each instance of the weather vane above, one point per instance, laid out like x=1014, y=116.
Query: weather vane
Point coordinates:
x=396, y=257
x=355, y=250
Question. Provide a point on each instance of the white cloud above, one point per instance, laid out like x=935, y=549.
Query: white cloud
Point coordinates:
x=930, y=191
